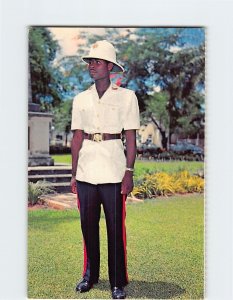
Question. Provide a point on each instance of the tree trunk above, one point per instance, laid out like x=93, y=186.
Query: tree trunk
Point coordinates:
x=169, y=132
x=66, y=139
x=162, y=132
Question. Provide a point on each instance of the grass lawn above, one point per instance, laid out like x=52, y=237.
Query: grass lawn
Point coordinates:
x=62, y=158
x=147, y=166
x=165, y=239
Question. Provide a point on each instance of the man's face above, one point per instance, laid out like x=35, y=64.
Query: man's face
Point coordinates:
x=99, y=68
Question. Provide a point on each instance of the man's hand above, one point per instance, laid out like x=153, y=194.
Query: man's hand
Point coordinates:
x=73, y=185
x=127, y=183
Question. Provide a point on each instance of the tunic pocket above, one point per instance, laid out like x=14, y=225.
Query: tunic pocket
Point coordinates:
x=112, y=115
x=87, y=117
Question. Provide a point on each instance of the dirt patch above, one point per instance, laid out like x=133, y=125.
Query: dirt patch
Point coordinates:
x=38, y=206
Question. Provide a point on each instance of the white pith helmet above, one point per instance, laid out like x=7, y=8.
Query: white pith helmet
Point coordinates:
x=104, y=50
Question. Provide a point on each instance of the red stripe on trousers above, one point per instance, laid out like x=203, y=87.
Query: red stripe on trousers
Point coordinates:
x=124, y=233
x=84, y=246
x=84, y=258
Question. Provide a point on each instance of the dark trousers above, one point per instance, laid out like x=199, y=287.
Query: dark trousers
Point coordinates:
x=90, y=198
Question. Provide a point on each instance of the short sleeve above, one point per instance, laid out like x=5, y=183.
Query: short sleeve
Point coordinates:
x=131, y=113
x=76, y=120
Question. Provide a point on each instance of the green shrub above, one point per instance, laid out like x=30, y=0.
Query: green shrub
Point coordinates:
x=35, y=190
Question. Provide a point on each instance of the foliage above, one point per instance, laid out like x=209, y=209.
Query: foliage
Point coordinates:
x=155, y=111
x=192, y=120
x=43, y=81
x=171, y=59
x=60, y=149
x=75, y=74
x=36, y=190
x=164, y=184
x=165, y=240
x=160, y=58
x=156, y=103
x=180, y=74
x=62, y=117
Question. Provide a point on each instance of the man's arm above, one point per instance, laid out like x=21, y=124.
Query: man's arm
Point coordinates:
x=76, y=145
x=131, y=150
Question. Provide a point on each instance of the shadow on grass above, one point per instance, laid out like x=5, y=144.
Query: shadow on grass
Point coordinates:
x=150, y=290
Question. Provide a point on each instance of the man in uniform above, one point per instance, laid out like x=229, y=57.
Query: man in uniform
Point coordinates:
x=101, y=173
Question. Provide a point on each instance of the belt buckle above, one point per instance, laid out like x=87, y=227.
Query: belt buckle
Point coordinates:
x=97, y=137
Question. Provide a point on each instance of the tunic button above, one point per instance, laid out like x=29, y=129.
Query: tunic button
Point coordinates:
x=98, y=128
x=97, y=115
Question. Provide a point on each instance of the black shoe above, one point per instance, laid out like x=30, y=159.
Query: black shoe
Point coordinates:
x=118, y=293
x=83, y=286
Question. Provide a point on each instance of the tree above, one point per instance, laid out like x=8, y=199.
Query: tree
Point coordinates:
x=75, y=77
x=182, y=73
x=193, y=124
x=156, y=112
x=42, y=51
x=156, y=57
x=62, y=117
x=165, y=58
x=179, y=70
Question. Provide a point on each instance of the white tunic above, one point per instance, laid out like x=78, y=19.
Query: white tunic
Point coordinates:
x=104, y=162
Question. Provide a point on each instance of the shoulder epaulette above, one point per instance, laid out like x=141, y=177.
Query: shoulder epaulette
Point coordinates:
x=115, y=87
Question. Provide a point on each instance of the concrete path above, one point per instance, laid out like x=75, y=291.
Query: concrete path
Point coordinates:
x=69, y=201
x=60, y=201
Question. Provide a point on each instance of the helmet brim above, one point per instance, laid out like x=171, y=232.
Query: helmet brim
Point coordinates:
x=117, y=68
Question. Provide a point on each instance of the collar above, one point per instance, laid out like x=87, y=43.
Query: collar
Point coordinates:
x=112, y=86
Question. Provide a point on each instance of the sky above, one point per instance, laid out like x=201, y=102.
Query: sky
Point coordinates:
x=69, y=37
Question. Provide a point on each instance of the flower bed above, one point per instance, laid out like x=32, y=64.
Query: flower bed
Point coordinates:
x=165, y=184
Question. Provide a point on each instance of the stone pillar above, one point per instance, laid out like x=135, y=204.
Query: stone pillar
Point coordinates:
x=38, y=132
x=38, y=136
